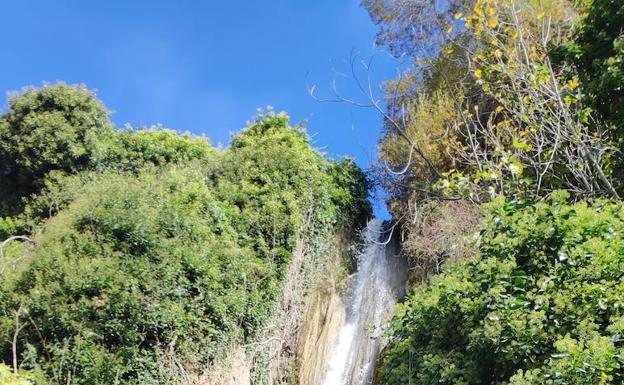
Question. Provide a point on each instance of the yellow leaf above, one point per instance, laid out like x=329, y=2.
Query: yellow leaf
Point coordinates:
x=499, y=109
x=492, y=23
x=458, y=15
x=541, y=16
x=450, y=30
x=572, y=84
x=478, y=74
x=525, y=99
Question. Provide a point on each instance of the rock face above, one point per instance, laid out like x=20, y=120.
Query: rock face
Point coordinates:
x=323, y=319
x=295, y=345
x=236, y=370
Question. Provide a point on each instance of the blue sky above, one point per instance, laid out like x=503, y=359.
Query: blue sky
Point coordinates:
x=202, y=66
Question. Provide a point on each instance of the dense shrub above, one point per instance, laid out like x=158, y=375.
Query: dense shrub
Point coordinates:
x=445, y=234
x=351, y=192
x=7, y=377
x=55, y=139
x=144, y=270
x=57, y=127
x=277, y=181
x=137, y=266
x=542, y=303
x=597, y=53
x=158, y=146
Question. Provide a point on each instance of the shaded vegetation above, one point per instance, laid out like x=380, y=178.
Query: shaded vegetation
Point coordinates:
x=596, y=52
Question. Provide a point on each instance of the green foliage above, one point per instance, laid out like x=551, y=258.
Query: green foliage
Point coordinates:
x=597, y=54
x=540, y=304
x=7, y=377
x=8, y=227
x=56, y=127
x=136, y=265
x=495, y=116
x=170, y=254
x=351, y=192
x=135, y=151
x=158, y=146
x=51, y=134
x=272, y=174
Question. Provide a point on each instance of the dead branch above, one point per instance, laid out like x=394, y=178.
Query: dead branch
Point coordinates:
x=18, y=328
x=9, y=240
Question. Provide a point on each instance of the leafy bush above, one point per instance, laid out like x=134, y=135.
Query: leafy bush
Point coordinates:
x=143, y=272
x=597, y=54
x=8, y=227
x=7, y=377
x=351, y=192
x=541, y=304
x=137, y=266
x=158, y=146
x=56, y=127
x=278, y=182
x=53, y=133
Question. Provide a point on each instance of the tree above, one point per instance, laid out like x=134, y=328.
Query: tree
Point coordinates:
x=58, y=127
x=413, y=27
x=597, y=54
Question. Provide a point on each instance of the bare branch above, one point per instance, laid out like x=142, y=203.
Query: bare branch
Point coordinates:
x=9, y=240
x=18, y=328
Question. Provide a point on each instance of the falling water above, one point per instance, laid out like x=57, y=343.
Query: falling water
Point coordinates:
x=372, y=294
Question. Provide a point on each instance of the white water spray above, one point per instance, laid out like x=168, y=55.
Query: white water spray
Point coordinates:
x=372, y=295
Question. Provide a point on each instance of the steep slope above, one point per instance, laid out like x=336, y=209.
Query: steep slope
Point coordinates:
x=147, y=265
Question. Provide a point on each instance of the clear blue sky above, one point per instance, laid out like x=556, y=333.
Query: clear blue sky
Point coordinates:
x=202, y=66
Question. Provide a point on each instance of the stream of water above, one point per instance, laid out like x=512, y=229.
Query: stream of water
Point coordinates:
x=370, y=298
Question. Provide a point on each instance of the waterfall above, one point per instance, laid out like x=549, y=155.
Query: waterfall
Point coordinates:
x=372, y=294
